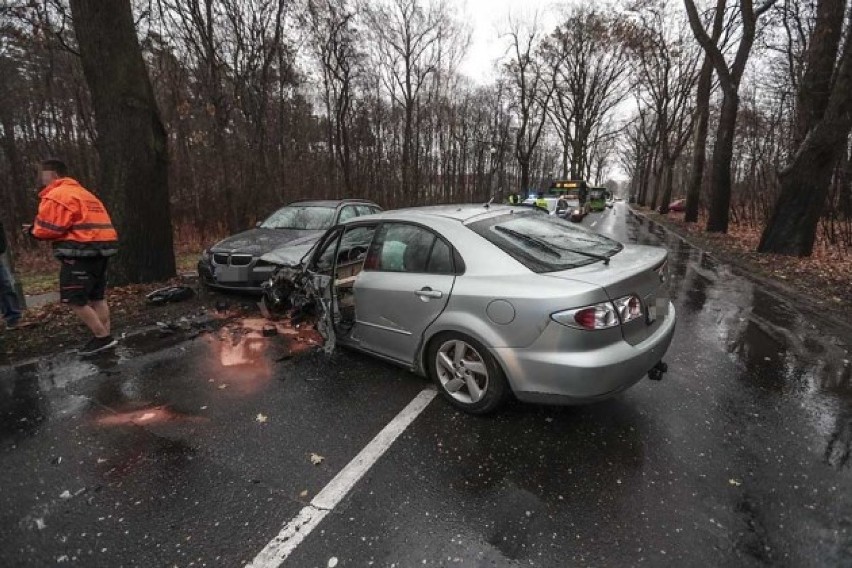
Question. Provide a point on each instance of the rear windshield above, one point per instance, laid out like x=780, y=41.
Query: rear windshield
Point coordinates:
x=306, y=218
x=545, y=243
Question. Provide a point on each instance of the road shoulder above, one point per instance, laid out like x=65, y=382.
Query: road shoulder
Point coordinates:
x=819, y=302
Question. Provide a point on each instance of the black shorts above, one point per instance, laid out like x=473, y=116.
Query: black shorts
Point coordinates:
x=82, y=280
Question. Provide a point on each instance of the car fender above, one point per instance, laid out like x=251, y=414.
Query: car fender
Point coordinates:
x=473, y=327
x=488, y=334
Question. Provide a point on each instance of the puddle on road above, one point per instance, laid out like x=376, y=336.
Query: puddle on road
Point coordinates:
x=243, y=354
x=780, y=354
x=145, y=416
x=238, y=356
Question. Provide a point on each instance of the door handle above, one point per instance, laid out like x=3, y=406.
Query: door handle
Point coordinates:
x=427, y=293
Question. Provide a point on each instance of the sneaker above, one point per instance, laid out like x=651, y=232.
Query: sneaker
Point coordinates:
x=97, y=344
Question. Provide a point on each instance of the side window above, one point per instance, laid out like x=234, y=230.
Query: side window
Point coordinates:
x=441, y=259
x=355, y=244
x=364, y=210
x=325, y=254
x=347, y=213
x=408, y=248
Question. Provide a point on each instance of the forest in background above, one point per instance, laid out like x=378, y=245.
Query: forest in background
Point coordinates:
x=741, y=108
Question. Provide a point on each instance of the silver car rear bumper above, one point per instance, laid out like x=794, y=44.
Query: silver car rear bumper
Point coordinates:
x=542, y=374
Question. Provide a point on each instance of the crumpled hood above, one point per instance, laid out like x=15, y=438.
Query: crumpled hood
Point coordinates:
x=261, y=241
x=293, y=252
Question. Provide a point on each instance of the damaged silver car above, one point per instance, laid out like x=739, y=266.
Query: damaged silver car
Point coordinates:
x=488, y=301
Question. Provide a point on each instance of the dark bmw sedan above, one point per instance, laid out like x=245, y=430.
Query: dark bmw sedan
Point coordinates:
x=234, y=263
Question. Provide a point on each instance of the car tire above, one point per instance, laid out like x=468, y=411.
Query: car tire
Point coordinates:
x=494, y=386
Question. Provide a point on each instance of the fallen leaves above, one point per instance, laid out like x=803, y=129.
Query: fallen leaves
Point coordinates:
x=261, y=418
x=824, y=275
x=734, y=482
x=317, y=459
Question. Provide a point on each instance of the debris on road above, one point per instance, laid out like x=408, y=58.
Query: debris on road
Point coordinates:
x=317, y=459
x=261, y=418
x=170, y=294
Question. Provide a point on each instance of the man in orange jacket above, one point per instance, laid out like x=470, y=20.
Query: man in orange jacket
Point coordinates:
x=83, y=238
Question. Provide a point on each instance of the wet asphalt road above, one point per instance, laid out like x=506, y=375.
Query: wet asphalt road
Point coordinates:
x=196, y=452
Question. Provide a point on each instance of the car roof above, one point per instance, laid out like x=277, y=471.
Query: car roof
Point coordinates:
x=462, y=212
x=330, y=202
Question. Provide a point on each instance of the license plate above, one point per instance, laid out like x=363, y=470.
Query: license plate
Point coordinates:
x=231, y=274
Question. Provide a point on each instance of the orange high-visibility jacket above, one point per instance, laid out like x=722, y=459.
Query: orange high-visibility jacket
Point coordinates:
x=75, y=221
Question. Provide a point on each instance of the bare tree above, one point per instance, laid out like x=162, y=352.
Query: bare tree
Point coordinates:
x=532, y=90
x=822, y=128
x=730, y=77
x=666, y=75
x=335, y=45
x=406, y=37
x=702, y=120
x=586, y=55
x=132, y=141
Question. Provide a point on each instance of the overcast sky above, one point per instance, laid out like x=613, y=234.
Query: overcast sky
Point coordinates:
x=488, y=19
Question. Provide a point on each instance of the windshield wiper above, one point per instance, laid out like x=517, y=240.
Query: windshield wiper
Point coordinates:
x=539, y=244
x=605, y=259
x=551, y=248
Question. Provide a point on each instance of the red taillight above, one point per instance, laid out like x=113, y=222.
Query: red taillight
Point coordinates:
x=603, y=315
x=598, y=316
x=629, y=308
x=586, y=318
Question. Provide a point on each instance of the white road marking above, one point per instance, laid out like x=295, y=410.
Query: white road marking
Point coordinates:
x=294, y=532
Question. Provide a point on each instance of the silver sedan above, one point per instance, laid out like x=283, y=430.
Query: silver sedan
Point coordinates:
x=490, y=301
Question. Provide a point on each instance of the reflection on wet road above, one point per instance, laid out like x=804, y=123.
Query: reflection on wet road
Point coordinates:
x=157, y=456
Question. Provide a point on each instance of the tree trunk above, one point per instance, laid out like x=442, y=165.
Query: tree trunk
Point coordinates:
x=132, y=142
x=702, y=111
x=793, y=225
x=699, y=151
x=525, y=176
x=723, y=155
x=668, y=186
x=824, y=121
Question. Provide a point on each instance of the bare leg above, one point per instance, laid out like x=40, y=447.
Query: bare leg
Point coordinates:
x=102, y=309
x=90, y=317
